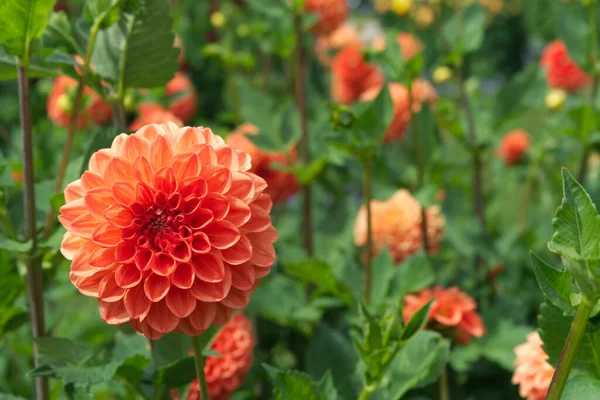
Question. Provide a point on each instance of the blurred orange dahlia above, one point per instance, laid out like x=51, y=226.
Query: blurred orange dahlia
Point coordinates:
x=352, y=76
x=281, y=184
x=332, y=13
x=396, y=223
x=421, y=92
x=451, y=308
x=346, y=34
x=152, y=113
x=561, y=71
x=93, y=109
x=533, y=373
x=410, y=45
x=185, y=100
x=168, y=229
x=224, y=374
x=513, y=146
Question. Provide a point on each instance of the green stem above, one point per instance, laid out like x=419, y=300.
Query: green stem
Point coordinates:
x=35, y=287
x=72, y=130
x=199, y=358
x=369, y=256
x=444, y=392
x=366, y=393
x=561, y=374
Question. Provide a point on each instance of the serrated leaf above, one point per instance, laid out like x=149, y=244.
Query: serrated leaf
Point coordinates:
x=58, y=33
x=64, y=349
x=321, y=274
x=108, y=11
x=170, y=348
x=176, y=374
x=373, y=118
x=137, y=51
x=416, y=322
x=21, y=22
x=465, y=29
x=416, y=273
x=556, y=285
x=297, y=385
x=581, y=385
x=576, y=223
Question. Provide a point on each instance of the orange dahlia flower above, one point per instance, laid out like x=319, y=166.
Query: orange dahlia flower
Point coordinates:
x=561, y=71
x=332, y=13
x=352, y=76
x=168, y=229
x=421, y=92
x=396, y=223
x=224, y=374
x=346, y=34
x=533, y=373
x=93, y=109
x=185, y=100
x=513, y=146
x=451, y=308
x=410, y=45
x=151, y=113
x=281, y=184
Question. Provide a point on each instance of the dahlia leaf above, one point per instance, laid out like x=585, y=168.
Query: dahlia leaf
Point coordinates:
x=170, y=348
x=137, y=51
x=576, y=223
x=320, y=274
x=23, y=21
x=581, y=385
x=416, y=273
x=64, y=349
x=384, y=271
x=177, y=373
x=555, y=284
x=14, y=246
x=372, y=121
x=574, y=30
x=417, y=322
x=465, y=30
x=297, y=385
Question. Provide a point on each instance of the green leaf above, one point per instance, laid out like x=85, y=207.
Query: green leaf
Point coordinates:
x=555, y=284
x=384, y=271
x=373, y=118
x=295, y=385
x=107, y=11
x=465, y=29
x=21, y=22
x=574, y=30
x=101, y=140
x=178, y=373
x=576, y=223
x=418, y=364
x=59, y=33
x=57, y=200
x=417, y=322
x=79, y=374
x=320, y=274
x=137, y=51
x=170, y=348
x=416, y=273
x=37, y=67
x=64, y=349
x=15, y=246
x=581, y=385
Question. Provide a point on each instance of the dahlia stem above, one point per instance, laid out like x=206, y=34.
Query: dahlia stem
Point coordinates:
x=366, y=392
x=369, y=257
x=199, y=358
x=72, y=129
x=35, y=287
x=567, y=356
x=444, y=392
x=304, y=139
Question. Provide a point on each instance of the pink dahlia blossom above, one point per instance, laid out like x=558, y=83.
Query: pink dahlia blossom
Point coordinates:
x=168, y=230
x=533, y=373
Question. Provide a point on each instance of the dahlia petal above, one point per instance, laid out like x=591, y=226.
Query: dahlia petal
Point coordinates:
x=223, y=314
x=185, y=165
x=242, y=187
x=183, y=276
x=265, y=202
x=190, y=205
x=202, y=317
x=135, y=146
x=136, y=302
x=181, y=252
x=201, y=218
x=127, y=276
x=208, y=267
x=106, y=235
x=200, y=243
x=194, y=187
x=259, y=184
x=102, y=257
x=124, y=193
x=164, y=180
x=244, y=160
x=163, y=264
x=222, y=234
x=82, y=226
x=161, y=318
x=261, y=272
x=211, y=291
x=227, y=157
x=117, y=143
x=88, y=285
x=160, y=152
x=206, y=154
x=108, y=290
x=472, y=324
x=243, y=276
x=99, y=161
x=80, y=266
x=236, y=298
x=150, y=132
x=70, y=245
x=113, y=313
x=217, y=203
x=239, y=212
x=97, y=200
x=143, y=170
x=118, y=216
x=118, y=170
x=174, y=201
x=143, y=258
x=180, y=302
x=217, y=177
x=259, y=221
x=263, y=252
x=156, y=287
x=238, y=253
x=186, y=138
x=145, y=329
x=74, y=191
x=91, y=180
x=73, y=209
x=144, y=194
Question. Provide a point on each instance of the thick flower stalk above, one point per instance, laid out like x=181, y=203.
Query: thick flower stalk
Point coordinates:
x=561, y=71
x=533, y=373
x=169, y=230
x=332, y=14
x=451, y=309
x=513, y=146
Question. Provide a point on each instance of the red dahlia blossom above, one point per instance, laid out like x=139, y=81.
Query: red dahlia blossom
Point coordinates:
x=168, y=230
x=561, y=70
x=451, y=308
x=186, y=99
x=352, y=76
x=332, y=13
x=224, y=374
x=60, y=104
x=513, y=146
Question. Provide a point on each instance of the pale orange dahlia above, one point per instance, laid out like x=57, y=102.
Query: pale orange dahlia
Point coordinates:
x=352, y=76
x=168, y=229
x=332, y=13
x=185, y=100
x=281, y=184
x=561, y=71
x=93, y=109
x=346, y=34
x=513, y=146
x=396, y=224
x=451, y=308
x=152, y=113
x=533, y=373
x=410, y=45
x=224, y=374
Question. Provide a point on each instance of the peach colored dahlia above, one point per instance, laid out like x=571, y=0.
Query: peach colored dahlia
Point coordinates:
x=410, y=45
x=168, y=229
x=151, y=113
x=332, y=13
x=513, y=146
x=226, y=373
x=59, y=106
x=352, y=76
x=185, y=96
x=396, y=223
x=451, y=308
x=533, y=373
x=561, y=71
x=346, y=34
